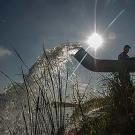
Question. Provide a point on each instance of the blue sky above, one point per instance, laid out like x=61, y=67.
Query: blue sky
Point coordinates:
x=25, y=24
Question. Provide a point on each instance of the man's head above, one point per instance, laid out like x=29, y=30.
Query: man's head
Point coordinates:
x=126, y=48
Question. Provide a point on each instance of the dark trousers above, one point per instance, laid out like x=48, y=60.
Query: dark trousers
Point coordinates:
x=124, y=78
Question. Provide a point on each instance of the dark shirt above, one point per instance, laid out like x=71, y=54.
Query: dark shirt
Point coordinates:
x=123, y=56
x=124, y=76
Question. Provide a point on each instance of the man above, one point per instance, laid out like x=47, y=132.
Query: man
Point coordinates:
x=124, y=76
x=124, y=54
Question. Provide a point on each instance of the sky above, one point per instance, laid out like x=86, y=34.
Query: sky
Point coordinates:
x=26, y=24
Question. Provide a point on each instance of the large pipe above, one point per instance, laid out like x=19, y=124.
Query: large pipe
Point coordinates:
x=98, y=65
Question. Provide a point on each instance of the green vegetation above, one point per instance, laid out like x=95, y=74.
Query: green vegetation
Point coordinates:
x=116, y=110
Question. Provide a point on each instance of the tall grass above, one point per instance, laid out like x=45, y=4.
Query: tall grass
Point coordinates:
x=121, y=105
x=42, y=98
x=44, y=115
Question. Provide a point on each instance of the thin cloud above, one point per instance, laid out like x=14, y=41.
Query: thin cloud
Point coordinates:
x=3, y=21
x=4, y=52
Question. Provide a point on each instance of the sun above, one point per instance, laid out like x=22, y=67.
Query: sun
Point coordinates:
x=95, y=41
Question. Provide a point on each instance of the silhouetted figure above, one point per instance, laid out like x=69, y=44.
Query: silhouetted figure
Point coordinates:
x=124, y=75
x=124, y=54
x=127, y=92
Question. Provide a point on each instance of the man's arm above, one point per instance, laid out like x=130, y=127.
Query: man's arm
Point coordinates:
x=120, y=57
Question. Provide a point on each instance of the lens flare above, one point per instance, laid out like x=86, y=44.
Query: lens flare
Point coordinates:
x=95, y=41
x=114, y=20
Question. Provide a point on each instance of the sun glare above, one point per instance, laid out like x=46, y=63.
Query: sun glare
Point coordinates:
x=95, y=41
